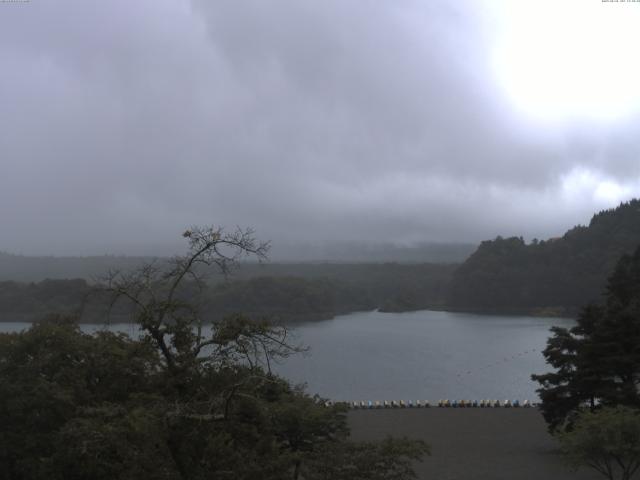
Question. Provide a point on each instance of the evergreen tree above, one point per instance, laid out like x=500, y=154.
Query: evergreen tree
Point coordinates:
x=557, y=276
x=597, y=362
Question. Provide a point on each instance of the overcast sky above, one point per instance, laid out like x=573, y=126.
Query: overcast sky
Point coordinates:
x=122, y=122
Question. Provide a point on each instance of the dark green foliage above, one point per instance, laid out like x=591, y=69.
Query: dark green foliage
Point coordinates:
x=556, y=276
x=181, y=402
x=288, y=298
x=18, y=300
x=423, y=284
x=597, y=362
x=49, y=376
x=317, y=292
x=77, y=406
x=607, y=440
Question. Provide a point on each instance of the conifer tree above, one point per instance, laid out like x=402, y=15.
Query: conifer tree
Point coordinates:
x=597, y=362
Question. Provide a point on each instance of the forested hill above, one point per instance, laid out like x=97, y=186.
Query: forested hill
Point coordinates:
x=556, y=276
x=22, y=268
x=313, y=294
x=341, y=260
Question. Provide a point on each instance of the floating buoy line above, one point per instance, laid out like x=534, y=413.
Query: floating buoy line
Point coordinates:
x=504, y=360
x=445, y=403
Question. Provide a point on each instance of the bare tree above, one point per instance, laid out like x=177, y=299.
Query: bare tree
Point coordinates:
x=168, y=311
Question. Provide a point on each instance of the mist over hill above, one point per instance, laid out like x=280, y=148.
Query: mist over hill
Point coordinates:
x=22, y=268
x=362, y=252
x=556, y=276
x=37, y=268
x=32, y=287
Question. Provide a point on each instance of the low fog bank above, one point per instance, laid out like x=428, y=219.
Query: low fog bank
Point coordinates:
x=372, y=253
x=36, y=268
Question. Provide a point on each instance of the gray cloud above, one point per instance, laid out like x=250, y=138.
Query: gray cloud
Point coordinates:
x=339, y=120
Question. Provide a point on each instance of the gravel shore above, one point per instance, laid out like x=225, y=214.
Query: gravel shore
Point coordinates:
x=473, y=443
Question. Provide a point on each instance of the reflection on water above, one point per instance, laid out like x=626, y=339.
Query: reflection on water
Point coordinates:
x=417, y=355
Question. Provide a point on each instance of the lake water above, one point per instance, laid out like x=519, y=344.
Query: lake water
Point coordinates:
x=423, y=355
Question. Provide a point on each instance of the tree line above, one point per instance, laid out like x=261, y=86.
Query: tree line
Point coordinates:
x=321, y=294
x=557, y=276
x=176, y=403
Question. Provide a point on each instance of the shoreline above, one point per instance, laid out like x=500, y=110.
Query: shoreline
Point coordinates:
x=538, y=312
x=293, y=319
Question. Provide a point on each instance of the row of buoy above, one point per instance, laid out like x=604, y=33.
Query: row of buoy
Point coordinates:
x=441, y=403
x=484, y=404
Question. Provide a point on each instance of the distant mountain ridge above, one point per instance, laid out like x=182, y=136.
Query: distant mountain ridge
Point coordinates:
x=506, y=275
x=22, y=268
x=556, y=277
x=294, y=260
x=362, y=252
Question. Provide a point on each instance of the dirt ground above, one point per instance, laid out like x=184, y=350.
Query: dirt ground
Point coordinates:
x=473, y=443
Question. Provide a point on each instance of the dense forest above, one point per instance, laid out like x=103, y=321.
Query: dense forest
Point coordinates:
x=27, y=301
x=505, y=275
x=293, y=260
x=177, y=402
x=556, y=276
x=31, y=287
x=316, y=292
x=20, y=268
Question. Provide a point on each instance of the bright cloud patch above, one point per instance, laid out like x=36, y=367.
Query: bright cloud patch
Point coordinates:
x=570, y=59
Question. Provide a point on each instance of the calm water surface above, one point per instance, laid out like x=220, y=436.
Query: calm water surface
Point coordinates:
x=422, y=355
x=417, y=355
